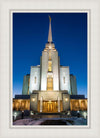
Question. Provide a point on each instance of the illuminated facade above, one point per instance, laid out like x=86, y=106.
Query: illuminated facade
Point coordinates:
x=76, y=104
x=49, y=85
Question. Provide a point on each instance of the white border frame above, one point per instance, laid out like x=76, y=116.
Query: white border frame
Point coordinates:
x=94, y=130
x=88, y=65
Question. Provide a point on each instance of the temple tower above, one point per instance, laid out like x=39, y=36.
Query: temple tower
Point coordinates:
x=49, y=65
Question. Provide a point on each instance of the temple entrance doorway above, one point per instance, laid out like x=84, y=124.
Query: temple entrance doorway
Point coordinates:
x=50, y=106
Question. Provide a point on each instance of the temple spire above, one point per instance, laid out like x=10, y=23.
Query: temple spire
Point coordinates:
x=50, y=32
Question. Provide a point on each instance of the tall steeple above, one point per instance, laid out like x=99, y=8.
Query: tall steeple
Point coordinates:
x=50, y=32
x=50, y=45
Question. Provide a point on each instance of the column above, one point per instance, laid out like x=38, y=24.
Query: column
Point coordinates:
x=41, y=101
x=58, y=104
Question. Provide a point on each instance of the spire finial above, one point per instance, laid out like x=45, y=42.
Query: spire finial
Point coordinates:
x=49, y=18
x=50, y=32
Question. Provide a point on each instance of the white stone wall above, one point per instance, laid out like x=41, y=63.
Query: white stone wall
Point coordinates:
x=66, y=101
x=35, y=72
x=64, y=72
x=44, y=69
x=55, y=69
x=55, y=66
x=50, y=95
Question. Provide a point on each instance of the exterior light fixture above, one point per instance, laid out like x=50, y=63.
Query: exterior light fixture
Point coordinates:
x=66, y=99
x=33, y=99
x=68, y=113
x=15, y=115
x=85, y=115
x=31, y=113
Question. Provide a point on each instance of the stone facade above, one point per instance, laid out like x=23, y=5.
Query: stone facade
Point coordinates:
x=44, y=68
x=64, y=79
x=25, y=90
x=24, y=104
x=34, y=79
x=34, y=102
x=66, y=101
x=55, y=68
x=73, y=85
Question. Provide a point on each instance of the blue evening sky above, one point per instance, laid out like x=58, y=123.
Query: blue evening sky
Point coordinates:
x=30, y=34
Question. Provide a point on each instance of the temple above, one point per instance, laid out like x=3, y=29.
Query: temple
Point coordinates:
x=49, y=88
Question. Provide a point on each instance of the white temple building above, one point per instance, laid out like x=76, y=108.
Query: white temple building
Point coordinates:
x=49, y=84
x=49, y=88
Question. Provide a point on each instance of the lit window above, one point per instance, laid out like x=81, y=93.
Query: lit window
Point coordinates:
x=49, y=83
x=49, y=55
x=49, y=66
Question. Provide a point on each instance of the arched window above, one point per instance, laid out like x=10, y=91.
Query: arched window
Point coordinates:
x=35, y=79
x=64, y=79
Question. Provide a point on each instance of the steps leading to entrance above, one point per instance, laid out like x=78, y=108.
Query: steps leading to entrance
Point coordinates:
x=50, y=113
